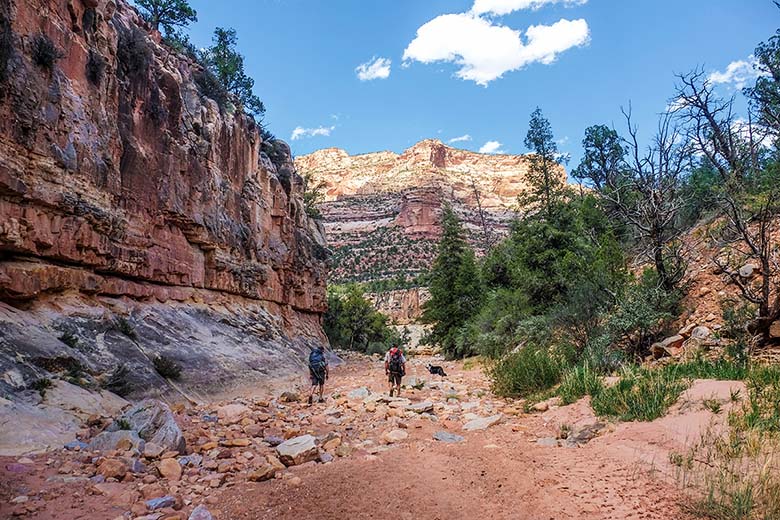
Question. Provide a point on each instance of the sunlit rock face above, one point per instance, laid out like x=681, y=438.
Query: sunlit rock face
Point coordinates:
x=125, y=190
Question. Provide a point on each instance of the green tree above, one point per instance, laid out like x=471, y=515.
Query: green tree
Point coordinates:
x=603, y=158
x=168, y=15
x=352, y=323
x=545, y=177
x=454, y=285
x=227, y=64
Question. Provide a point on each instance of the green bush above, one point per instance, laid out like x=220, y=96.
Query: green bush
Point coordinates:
x=167, y=367
x=125, y=327
x=578, y=382
x=69, y=339
x=44, y=53
x=117, y=381
x=528, y=371
x=134, y=54
x=41, y=385
x=640, y=395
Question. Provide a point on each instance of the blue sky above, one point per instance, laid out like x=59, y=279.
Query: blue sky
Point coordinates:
x=304, y=56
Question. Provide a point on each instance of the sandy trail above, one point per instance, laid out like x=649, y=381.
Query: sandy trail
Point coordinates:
x=499, y=473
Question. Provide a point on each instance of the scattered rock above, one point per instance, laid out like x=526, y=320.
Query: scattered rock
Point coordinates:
x=671, y=346
x=112, y=468
x=394, y=436
x=701, y=333
x=152, y=450
x=447, y=437
x=483, y=423
x=161, y=502
x=583, y=434
x=748, y=270
x=232, y=413
x=298, y=450
x=170, y=469
x=424, y=407
x=547, y=441
x=326, y=457
x=540, y=407
x=359, y=393
x=201, y=513
x=266, y=472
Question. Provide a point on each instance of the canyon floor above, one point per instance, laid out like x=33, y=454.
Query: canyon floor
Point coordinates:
x=379, y=458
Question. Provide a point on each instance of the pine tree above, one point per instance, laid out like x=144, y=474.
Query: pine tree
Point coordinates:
x=167, y=15
x=545, y=182
x=454, y=285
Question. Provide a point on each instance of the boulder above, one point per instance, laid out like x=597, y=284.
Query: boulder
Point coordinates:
x=154, y=422
x=152, y=450
x=112, y=440
x=161, y=502
x=583, y=434
x=447, y=437
x=289, y=397
x=482, y=423
x=748, y=270
x=774, y=330
x=701, y=333
x=298, y=450
x=671, y=346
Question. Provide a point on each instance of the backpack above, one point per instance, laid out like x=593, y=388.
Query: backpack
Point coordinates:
x=317, y=359
x=396, y=365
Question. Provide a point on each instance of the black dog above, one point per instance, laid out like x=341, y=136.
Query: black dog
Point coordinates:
x=436, y=370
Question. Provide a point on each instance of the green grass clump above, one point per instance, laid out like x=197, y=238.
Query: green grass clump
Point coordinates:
x=578, y=382
x=640, y=395
x=761, y=411
x=721, y=369
x=528, y=371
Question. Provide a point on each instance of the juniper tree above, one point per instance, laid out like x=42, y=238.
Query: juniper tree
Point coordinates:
x=167, y=15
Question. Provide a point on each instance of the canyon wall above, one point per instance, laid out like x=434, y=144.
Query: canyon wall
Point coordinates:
x=138, y=217
x=382, y=210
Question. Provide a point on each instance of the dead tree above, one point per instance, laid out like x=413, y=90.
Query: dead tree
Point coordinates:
x=749, y=255
x=645, y=191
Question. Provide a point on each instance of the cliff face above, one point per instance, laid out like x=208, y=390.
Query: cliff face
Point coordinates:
x=382, y=210
x=127, y=194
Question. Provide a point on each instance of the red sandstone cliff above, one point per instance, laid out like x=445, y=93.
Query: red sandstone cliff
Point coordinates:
x=125, y=190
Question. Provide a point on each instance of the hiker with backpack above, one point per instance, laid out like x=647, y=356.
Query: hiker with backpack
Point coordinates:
x=395, y=369
x=318, y=372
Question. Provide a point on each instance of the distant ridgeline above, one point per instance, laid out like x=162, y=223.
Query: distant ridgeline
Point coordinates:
x=381, y=210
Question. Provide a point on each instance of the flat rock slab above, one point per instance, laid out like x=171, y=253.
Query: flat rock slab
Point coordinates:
x=550, y=442
x=482, y=423
x=394, y=436
x=424, y=407
x=298, y=450
x=447, y=437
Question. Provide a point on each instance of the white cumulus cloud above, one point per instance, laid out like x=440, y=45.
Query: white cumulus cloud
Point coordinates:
x=485, y=51
x=502, y=7
x=738, y=73
x=300, y=132
x=491, y=147
x=375, y=68
x=462, y=139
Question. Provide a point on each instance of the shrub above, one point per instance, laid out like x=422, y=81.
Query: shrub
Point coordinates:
x=123, y=424
x=96, y=67
x=640, y=395
x=125, y=327
x=69, y=339
x=210, y=87
x=528, y=371
x=134, y=55
x=41, y=385
x=44, y=53
x=578, y=382
x=117, y=381
x=167, y=367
